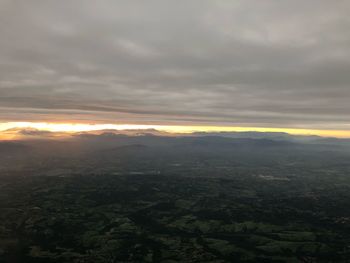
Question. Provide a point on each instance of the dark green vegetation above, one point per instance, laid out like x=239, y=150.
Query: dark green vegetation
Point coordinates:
x=156, y=199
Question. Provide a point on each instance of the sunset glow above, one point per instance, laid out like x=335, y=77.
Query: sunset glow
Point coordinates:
x=6, y=129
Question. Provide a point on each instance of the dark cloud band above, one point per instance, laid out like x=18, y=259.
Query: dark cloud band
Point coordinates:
x=256, y=63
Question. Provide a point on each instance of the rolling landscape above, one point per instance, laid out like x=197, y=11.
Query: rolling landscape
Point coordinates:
x=165, y=131
x=252, y=197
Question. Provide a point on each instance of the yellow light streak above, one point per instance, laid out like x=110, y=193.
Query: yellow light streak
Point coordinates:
x=5, y=129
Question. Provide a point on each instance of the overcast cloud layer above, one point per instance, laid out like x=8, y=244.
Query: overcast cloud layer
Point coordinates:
x=240, y=63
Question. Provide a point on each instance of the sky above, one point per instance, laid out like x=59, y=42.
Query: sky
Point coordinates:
x=190, y=63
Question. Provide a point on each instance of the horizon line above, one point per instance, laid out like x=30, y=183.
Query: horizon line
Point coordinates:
x=71, y=128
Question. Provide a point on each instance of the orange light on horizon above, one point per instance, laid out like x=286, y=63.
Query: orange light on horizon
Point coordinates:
x=6, y=127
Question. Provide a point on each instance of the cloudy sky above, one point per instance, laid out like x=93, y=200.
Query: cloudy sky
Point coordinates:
x=256, y=63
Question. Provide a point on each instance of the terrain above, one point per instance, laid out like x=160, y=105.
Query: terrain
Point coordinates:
x=223, y=197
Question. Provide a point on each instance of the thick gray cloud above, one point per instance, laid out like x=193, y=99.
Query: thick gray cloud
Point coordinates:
x=249, y=62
